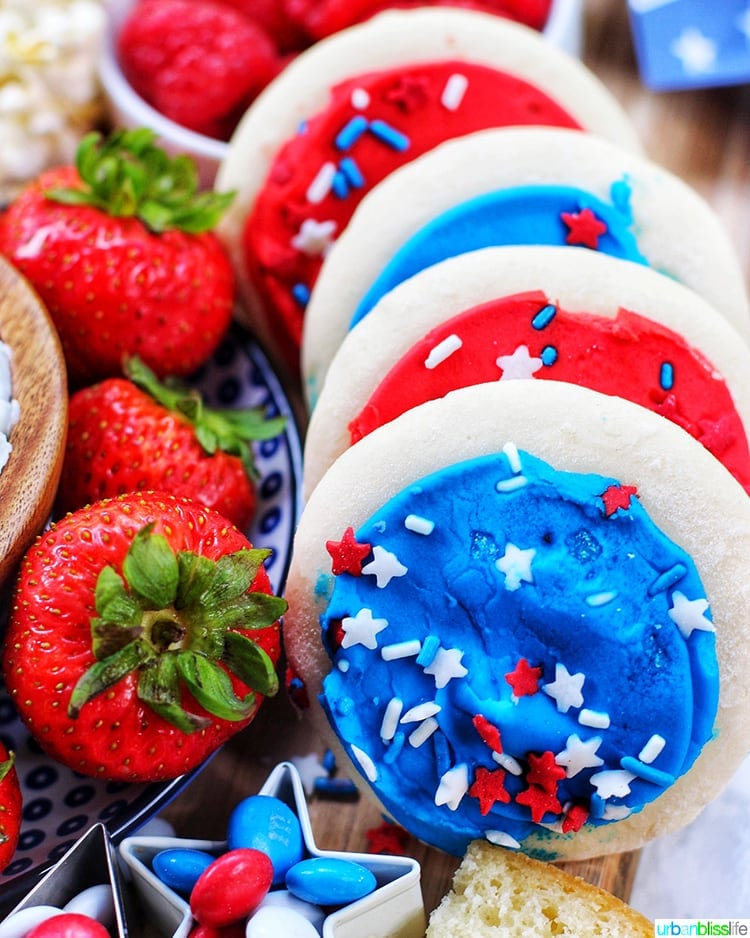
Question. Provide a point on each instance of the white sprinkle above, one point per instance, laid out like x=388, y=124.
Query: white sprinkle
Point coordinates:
x=360, y=99
x=390, y=718
x=419, y=525
x=616, y=812
x=652, y=748
x=510, y=485
x=594, y=718
x=423, y=732
x=321, y=185
x=453, y=786
x=601, y=599
x=365, y=763
x=510, y=451
x=501, y=839
x=454, y=91
x=507, y=762
x=442, y=351
x=343, y=666
x=421, y=712
x=401, y=650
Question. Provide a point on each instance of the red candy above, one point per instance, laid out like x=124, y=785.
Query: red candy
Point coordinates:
x=69, y=925
x=231, y=888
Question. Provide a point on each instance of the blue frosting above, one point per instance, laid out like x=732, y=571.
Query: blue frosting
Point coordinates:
x=520, y=215
x=540, y=568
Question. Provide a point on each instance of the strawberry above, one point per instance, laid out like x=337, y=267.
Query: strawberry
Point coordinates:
x=198, y=62
x=143, y=634
x=119, y=248
x=10, y=807
x=271, y=16
x=136, y=434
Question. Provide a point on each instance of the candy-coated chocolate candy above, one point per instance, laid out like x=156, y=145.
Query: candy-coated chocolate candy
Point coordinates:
x=69, y=925
x=284, y=899
x=272, y=921
x=96, y=902
x=330, y=880
x=18, y=924
x=268, y=824
x=232, y=887
x=180, y=867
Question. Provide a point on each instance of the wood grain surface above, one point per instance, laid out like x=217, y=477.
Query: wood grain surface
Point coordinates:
x=704, y=137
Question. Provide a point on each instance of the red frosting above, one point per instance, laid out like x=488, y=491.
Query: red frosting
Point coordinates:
x=409, y=103
x=628, y=356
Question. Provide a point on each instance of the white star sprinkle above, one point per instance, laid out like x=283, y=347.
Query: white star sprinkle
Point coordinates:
x=446, y=665
x=565, y=689
x=518, y=365
x=687, y=614
x=612, y=783
x=362, y=629
x=696, y=51
x=501, y=839
x=516, y=565
x=383, y=566
x=314, y=238
x=453, y=786
x=579, y=755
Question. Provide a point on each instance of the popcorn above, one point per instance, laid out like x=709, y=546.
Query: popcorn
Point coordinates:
x=49, y=95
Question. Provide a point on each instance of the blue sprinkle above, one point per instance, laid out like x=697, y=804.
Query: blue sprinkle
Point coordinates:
x=544, y=317
x=352, y=172
x=549, y=355
x=647, y=772
x=390, y=136
x=667, y=579
x=429, y=649
x=394, y=748
x=598, y=806
x=340, y=185
x=666, y=376
x=350, y=133
x=343, y=788
x=302, y=127
x=443, y=757
x=329, y=761
x=301, y=294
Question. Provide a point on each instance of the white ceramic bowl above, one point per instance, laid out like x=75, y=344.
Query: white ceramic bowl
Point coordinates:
x=128, y=109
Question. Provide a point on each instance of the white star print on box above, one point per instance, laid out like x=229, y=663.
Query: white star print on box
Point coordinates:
x=516, y=565
x=691, y=43
x=688, y=614
x=383, y=566
x=518, y=365
x=362, y=629
x=565, y=690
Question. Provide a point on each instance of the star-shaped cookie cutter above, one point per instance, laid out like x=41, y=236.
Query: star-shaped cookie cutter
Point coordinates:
x=395, y=908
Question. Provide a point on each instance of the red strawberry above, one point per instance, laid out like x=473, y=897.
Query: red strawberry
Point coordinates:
x=197, y=62
x=119, y=250
x=142, y=636
x=137, y=434
x=271, y=16
x=10, y=807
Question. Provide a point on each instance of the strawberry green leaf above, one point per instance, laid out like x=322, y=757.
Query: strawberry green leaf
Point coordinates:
x=211, y=686
x=234, y=575
x=151, y=568
x=250, y=663
x=113, y=602
x=109, y=671
x=127, y=174
x=195, y=576
x=158, y=687
x=7, y=764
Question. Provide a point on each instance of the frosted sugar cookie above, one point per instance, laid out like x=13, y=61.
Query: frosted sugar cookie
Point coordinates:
x=529, y=185
x=520, y=612
x=558, y=313
x=358, y=105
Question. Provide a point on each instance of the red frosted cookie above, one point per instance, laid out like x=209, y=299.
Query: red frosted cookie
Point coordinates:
x=359, y=105
x=555, y=313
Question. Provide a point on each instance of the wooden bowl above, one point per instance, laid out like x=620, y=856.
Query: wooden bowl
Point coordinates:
x=28, y=482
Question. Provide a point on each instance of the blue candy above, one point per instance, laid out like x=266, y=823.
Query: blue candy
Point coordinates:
x=330, y=881
x=267, y=824
x=180, y=867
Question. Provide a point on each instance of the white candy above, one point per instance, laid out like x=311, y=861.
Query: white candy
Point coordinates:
x=282, y=898
x=273, y=921
x=96, y=902
x=17, y=925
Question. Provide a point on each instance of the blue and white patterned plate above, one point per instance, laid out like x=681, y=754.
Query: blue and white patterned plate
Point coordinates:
x=59, y=805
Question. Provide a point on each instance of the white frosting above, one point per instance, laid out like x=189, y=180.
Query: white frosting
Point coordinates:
x=48, y=83
x=9, y=408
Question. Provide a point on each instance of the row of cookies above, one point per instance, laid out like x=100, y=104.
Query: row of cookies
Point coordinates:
x=518, y=606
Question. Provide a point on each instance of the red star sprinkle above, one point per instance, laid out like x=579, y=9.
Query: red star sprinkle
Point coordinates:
x=490, y=735
x=574, y=819
x=347, y=554
x=617, y=496
x=584, y=228
x=539, y=801
x=408, y=93
x=489, y=787
x=544, y=771
x=524, y=679
x=387, y=838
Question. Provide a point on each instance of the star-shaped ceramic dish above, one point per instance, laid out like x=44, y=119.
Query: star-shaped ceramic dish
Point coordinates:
x=395, y=908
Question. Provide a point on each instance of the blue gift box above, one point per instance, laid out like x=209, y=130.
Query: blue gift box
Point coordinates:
x=691, y=43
